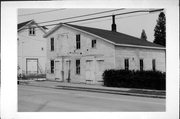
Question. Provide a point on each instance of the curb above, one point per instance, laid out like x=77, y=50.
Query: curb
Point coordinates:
x=99, y=91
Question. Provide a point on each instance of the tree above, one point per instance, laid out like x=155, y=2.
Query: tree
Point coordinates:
x=143, y=35
x=160, y=30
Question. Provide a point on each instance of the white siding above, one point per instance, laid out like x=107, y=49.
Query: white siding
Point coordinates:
x=111, y=56
x=31, y=47
x=65, y=40
x=135, y=54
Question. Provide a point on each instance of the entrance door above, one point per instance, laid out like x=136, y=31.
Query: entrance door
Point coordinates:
x=58, y=68
x=89, y=71
x=31, y=66
x=99, y=70
x=67, y=70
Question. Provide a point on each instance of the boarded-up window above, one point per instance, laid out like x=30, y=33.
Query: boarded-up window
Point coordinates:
x=154, y=65
x=52, y=44
x=78, y=41
x=126, y=64
x=141, y=64
x=52, y=66
x=78, y=67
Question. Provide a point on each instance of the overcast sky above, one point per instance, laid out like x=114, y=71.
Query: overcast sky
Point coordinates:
x=131, y=24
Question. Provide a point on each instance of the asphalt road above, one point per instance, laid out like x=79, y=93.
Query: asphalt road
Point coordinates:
x=39, y=99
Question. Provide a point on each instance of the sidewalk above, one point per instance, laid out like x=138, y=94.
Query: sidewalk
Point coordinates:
x=96, y=88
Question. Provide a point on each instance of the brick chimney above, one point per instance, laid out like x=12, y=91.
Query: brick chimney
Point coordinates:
x=113, y=26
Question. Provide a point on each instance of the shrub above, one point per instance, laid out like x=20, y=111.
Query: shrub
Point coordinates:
x=134, y=79
x=31, y=76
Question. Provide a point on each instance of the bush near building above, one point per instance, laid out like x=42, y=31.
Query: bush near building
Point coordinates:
x=135, y=79
x=30, y=76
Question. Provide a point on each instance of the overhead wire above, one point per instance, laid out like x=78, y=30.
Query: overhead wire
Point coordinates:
x=81, y=16
x=118, y=18
x=40, y=12
x=137, y=11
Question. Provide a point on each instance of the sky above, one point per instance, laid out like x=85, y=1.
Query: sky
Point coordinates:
x=131, y=24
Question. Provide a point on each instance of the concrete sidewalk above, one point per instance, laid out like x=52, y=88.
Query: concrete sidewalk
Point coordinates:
x=96, y=88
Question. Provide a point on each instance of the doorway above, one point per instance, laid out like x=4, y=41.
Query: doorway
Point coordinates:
x=31, y=66
x=58, y=69
x=90, y=71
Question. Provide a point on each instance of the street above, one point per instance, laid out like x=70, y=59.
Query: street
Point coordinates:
x=39, y=99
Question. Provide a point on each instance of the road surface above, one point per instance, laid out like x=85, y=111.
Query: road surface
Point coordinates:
x=39, y=99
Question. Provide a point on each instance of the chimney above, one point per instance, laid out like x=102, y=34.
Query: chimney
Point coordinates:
x=113, y=26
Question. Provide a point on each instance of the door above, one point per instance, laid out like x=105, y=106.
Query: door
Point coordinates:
x=99, y=70
x=90, y=70
x=67, y=70
x=31, y=66
x=58, y=68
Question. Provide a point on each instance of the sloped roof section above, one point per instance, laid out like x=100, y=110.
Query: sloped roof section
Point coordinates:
x=20, y=25
x=116, y=37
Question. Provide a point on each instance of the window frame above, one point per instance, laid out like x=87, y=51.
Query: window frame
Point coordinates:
x=126, y=64
x=32, y=31
x=52, y=66
x=52, y=44
x=78, y=41
x=93, y=43
x=141, y=65
x=154, y=64
x=78, y=66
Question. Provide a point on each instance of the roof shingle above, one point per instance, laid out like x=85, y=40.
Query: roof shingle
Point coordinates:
x=116, y=37
x=20, y=25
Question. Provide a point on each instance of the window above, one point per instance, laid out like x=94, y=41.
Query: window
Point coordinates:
x=32, y=31
x=78, y=67
x=52, y=44
x=93, y=43
x=153, y=64
x=126, y=64
x=52, y=66
x=141, y=64
x=78, y=42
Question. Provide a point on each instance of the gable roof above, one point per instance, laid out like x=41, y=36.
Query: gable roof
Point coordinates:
x=114, y=37
x=22, y=24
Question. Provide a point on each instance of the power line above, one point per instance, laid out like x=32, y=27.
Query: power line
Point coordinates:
x=80, y=16
x=118, y=18
x=137, y=11
x=39, y=12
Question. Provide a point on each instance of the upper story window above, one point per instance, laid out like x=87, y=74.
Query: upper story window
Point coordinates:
x=141, y=64
x=78, y=41
x=52, y=44
x=32, y=31
x=93, y=43
x=154, y=65
x=126, y=64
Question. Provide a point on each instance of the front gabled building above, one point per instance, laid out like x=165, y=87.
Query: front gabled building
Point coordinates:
x=81, y=54
x=31, y=48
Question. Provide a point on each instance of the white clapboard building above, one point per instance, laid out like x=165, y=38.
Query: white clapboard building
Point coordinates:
x=81, y=54
x=31, y=48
